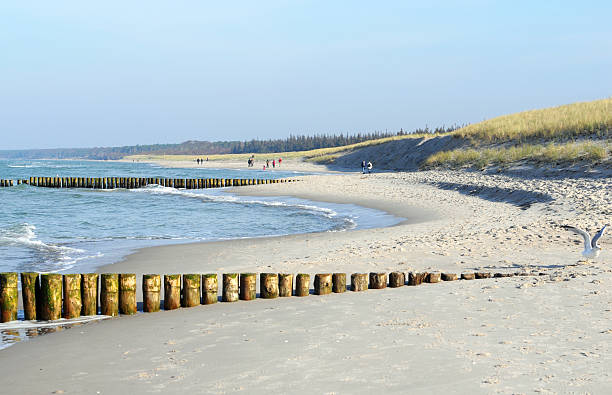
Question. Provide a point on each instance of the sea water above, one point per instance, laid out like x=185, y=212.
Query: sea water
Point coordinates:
x=76, y=230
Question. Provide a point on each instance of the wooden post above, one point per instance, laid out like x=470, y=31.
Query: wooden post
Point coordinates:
x=432, y=278
x=497, y=275
x=449, y=276
x=323, y=283
x=127, y=293
x=302, y=284
x=467, y=276
x=378, y=280
x=89, y=294
x=50, y=296
x=397, y=279
x=248, y=286
x=339, y=282
x=30, y=289
x=191, y=290
x=268, y=285
x=72, y=296
x=285, y=284
x=109, y=294
x=481, y=275
x=9, y=297
x=416, y=278
x=230, y=287
x=172, y=291
x=359, y=282
x=210, y=288
x=151, y=288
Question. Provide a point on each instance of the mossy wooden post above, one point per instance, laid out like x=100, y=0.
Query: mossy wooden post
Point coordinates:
x=397, y=279
x=378, y=280
x=248, y=286
x=9, y=297
x=151, y=288
x=481, y=275
x=433, y=278
x=302, y=284
x=467, y=276
x=210, y=288
x=449, y=276
x=339, y=282
x=172, y=291
x=230, y=287
x=416, y=278
x=127, y=293
x=50, y=296
x=359, y=282
x=285, y=284
x=89, y=294
x=191, y=290
x=268, y=285
x=109, y=294
x=72, y=296
x=323, y=283
x=30, y=289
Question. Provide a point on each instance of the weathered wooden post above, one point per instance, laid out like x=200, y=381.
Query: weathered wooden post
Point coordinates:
x=433, y=278
x=359, y=282
x=481, y=275
x=449, y=276
x=230, y=287
x=397, y=279
x=172, y=291
x=191, y=290
x=9, y=297
x=109, y=294
x=151, y=288
x=268, y=285
x=467, y=276
x=248, y=286
x=378, y=280
x=285, y=284
x=72, y=296
x=323, y=283
x=89, y=294
x=210, y=288
x=416, y=278
x=339, y=282
x=302, y=284
x=30, y=290
x=127, y=293
x=50, y=296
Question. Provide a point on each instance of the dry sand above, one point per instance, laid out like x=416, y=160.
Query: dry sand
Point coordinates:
x=536, y=334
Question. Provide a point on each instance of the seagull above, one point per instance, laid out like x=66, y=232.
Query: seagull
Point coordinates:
x=591, y=249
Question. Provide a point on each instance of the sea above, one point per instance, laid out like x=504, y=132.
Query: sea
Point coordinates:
x=77, y=230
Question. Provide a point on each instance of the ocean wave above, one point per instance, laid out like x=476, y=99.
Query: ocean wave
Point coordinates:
x=24, y=235
x=161, y=190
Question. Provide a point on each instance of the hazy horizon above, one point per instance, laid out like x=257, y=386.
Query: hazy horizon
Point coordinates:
x=78, y=75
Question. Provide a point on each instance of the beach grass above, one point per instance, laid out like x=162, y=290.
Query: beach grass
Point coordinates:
x=558, y=153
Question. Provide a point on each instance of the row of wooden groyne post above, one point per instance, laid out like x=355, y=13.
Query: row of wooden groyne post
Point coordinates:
x=51, y=296
x=137, y=182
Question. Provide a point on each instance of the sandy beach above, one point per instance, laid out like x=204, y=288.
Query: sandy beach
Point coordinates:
x=549, y=332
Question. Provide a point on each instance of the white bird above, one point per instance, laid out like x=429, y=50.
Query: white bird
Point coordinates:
x=591, y=249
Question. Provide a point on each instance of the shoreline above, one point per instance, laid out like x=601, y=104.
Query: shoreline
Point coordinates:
x=505, y=335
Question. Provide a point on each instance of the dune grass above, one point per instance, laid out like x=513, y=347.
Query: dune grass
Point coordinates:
x=556, y=123
x=563, y=153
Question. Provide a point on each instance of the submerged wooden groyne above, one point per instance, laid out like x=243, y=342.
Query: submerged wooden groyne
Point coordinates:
x=51, y=296
x=138, y=182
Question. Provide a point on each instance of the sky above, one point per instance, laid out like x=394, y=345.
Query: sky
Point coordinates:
x=112, y=73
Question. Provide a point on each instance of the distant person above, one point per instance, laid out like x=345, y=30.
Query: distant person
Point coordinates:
x=369, y=167
x=273, y=163
x=267, y=163
x=363, y=166
x=198, y=160
x=264, y=167
x=280, y=160
x=207, y=159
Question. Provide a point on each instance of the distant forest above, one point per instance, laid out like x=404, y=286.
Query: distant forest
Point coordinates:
x=290, y=144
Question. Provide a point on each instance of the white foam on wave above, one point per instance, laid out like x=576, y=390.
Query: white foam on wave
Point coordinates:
x=161, y=190
x=24, y=235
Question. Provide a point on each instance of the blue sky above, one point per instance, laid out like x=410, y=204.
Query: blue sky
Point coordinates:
x=78, y=74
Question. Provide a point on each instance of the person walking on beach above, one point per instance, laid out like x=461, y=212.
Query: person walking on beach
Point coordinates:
x=363, y=166
x=369, y=167
x=273, y=163
x=267, y=163
x=279, y=161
